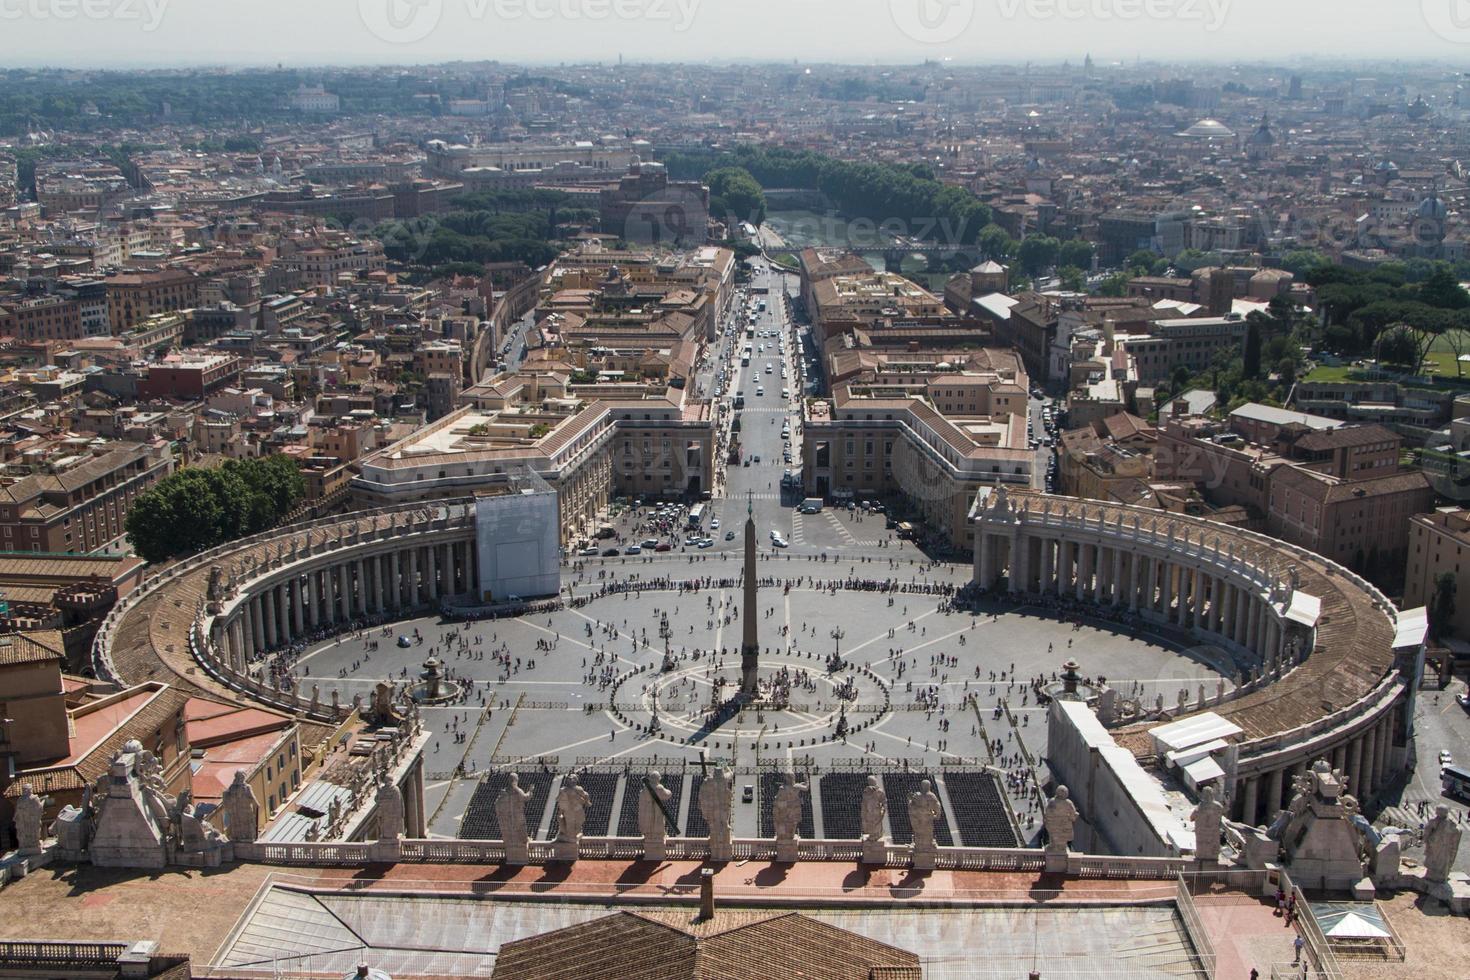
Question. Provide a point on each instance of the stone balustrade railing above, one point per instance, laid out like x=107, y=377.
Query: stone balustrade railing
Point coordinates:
x=15, y=952
x=415, y=851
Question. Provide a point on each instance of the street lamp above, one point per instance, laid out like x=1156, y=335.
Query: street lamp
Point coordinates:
x=837, y=634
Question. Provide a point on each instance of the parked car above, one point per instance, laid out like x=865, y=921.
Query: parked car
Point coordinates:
x=610, y=552
x=588, y=552
x=633, y=550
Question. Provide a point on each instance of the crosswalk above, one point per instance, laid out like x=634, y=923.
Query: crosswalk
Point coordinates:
x=798, y=531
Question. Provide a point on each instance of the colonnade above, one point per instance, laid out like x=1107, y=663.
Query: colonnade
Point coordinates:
x=1365, y=756
x=1207, y=593
x=301, y=600
x=1232, y=590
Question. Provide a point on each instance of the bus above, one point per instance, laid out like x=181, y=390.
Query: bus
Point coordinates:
x=696, y=517
x=745, y=356
x=1456, y=781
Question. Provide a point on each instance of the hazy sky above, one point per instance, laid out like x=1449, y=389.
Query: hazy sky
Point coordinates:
x=310, y=32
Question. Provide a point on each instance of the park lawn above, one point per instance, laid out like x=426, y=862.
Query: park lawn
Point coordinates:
x=1323, y=373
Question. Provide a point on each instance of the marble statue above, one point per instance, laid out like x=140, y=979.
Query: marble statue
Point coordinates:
x=1441, y=844
x=1060, y=820
x=924, y=810
x=195, y=835
x=786, y=809
x=383, y=705
x=786, y=814
x=510, y=811
x=652, y=822
x=28, y=811
x=389, y=800
x=1207, y=818
x=571, y=803
x=71, y=832
x=715, y=794
x=874, y=809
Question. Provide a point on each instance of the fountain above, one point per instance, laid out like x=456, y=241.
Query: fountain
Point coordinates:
x=1070, y=687
x=433, y=686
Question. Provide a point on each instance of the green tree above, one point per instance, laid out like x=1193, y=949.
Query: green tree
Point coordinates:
x=1252, y=356
x=1441, y=290
x=735, y=194
x=1114, y=285
x=996, y=244
x=198, y=508
x=1038, y=253
x=1303, y=260
x=1442, y=607
x=1396, y=346
x=1076, y=253
x=1073, y=278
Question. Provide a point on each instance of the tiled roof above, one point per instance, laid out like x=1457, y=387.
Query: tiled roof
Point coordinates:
x=735, y=945
x=30, y=648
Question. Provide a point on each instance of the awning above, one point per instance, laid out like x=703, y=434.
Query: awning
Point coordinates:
x=1304, y=609
x=1203, y=770
x=1411, y=628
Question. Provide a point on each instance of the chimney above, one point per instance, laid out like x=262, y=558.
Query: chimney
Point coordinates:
x=706, y=894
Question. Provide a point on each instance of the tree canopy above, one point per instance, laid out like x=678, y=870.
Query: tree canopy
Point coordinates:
x=198, y=508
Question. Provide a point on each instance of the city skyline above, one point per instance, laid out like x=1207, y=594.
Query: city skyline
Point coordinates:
x=158, y=33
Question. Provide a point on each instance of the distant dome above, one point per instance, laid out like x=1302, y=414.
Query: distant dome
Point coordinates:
x=1263, y=135
x=1209, y=129
x=1432, y=207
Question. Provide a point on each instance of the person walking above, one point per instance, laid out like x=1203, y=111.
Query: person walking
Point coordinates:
x=1296, y=945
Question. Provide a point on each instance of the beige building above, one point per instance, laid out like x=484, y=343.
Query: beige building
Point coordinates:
x=1439, y=544
x=587, y=450
x=78, y=504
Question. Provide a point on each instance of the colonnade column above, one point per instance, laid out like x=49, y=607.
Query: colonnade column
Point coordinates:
x=1251, y=801
x=1355, y=766
x=1370, y=764
x=1048, y=566
x=395, y=580
x=298, y=614
x=1167, y=591
x=1274, y=787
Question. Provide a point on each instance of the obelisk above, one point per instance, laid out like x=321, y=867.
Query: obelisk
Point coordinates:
x=750, y=648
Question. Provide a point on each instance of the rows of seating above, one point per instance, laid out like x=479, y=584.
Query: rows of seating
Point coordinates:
x=770, y=782
x=480, y=821
x=694, y=822
x=632, y=790
x=980, y=809
x=899, y=786
x=842, y=801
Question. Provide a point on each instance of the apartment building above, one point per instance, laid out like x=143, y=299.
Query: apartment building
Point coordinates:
x=77, y=503
x=1439, y=544
x=586, y=450
x=878, y=441
x=1333, y=488
x=135, y=296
